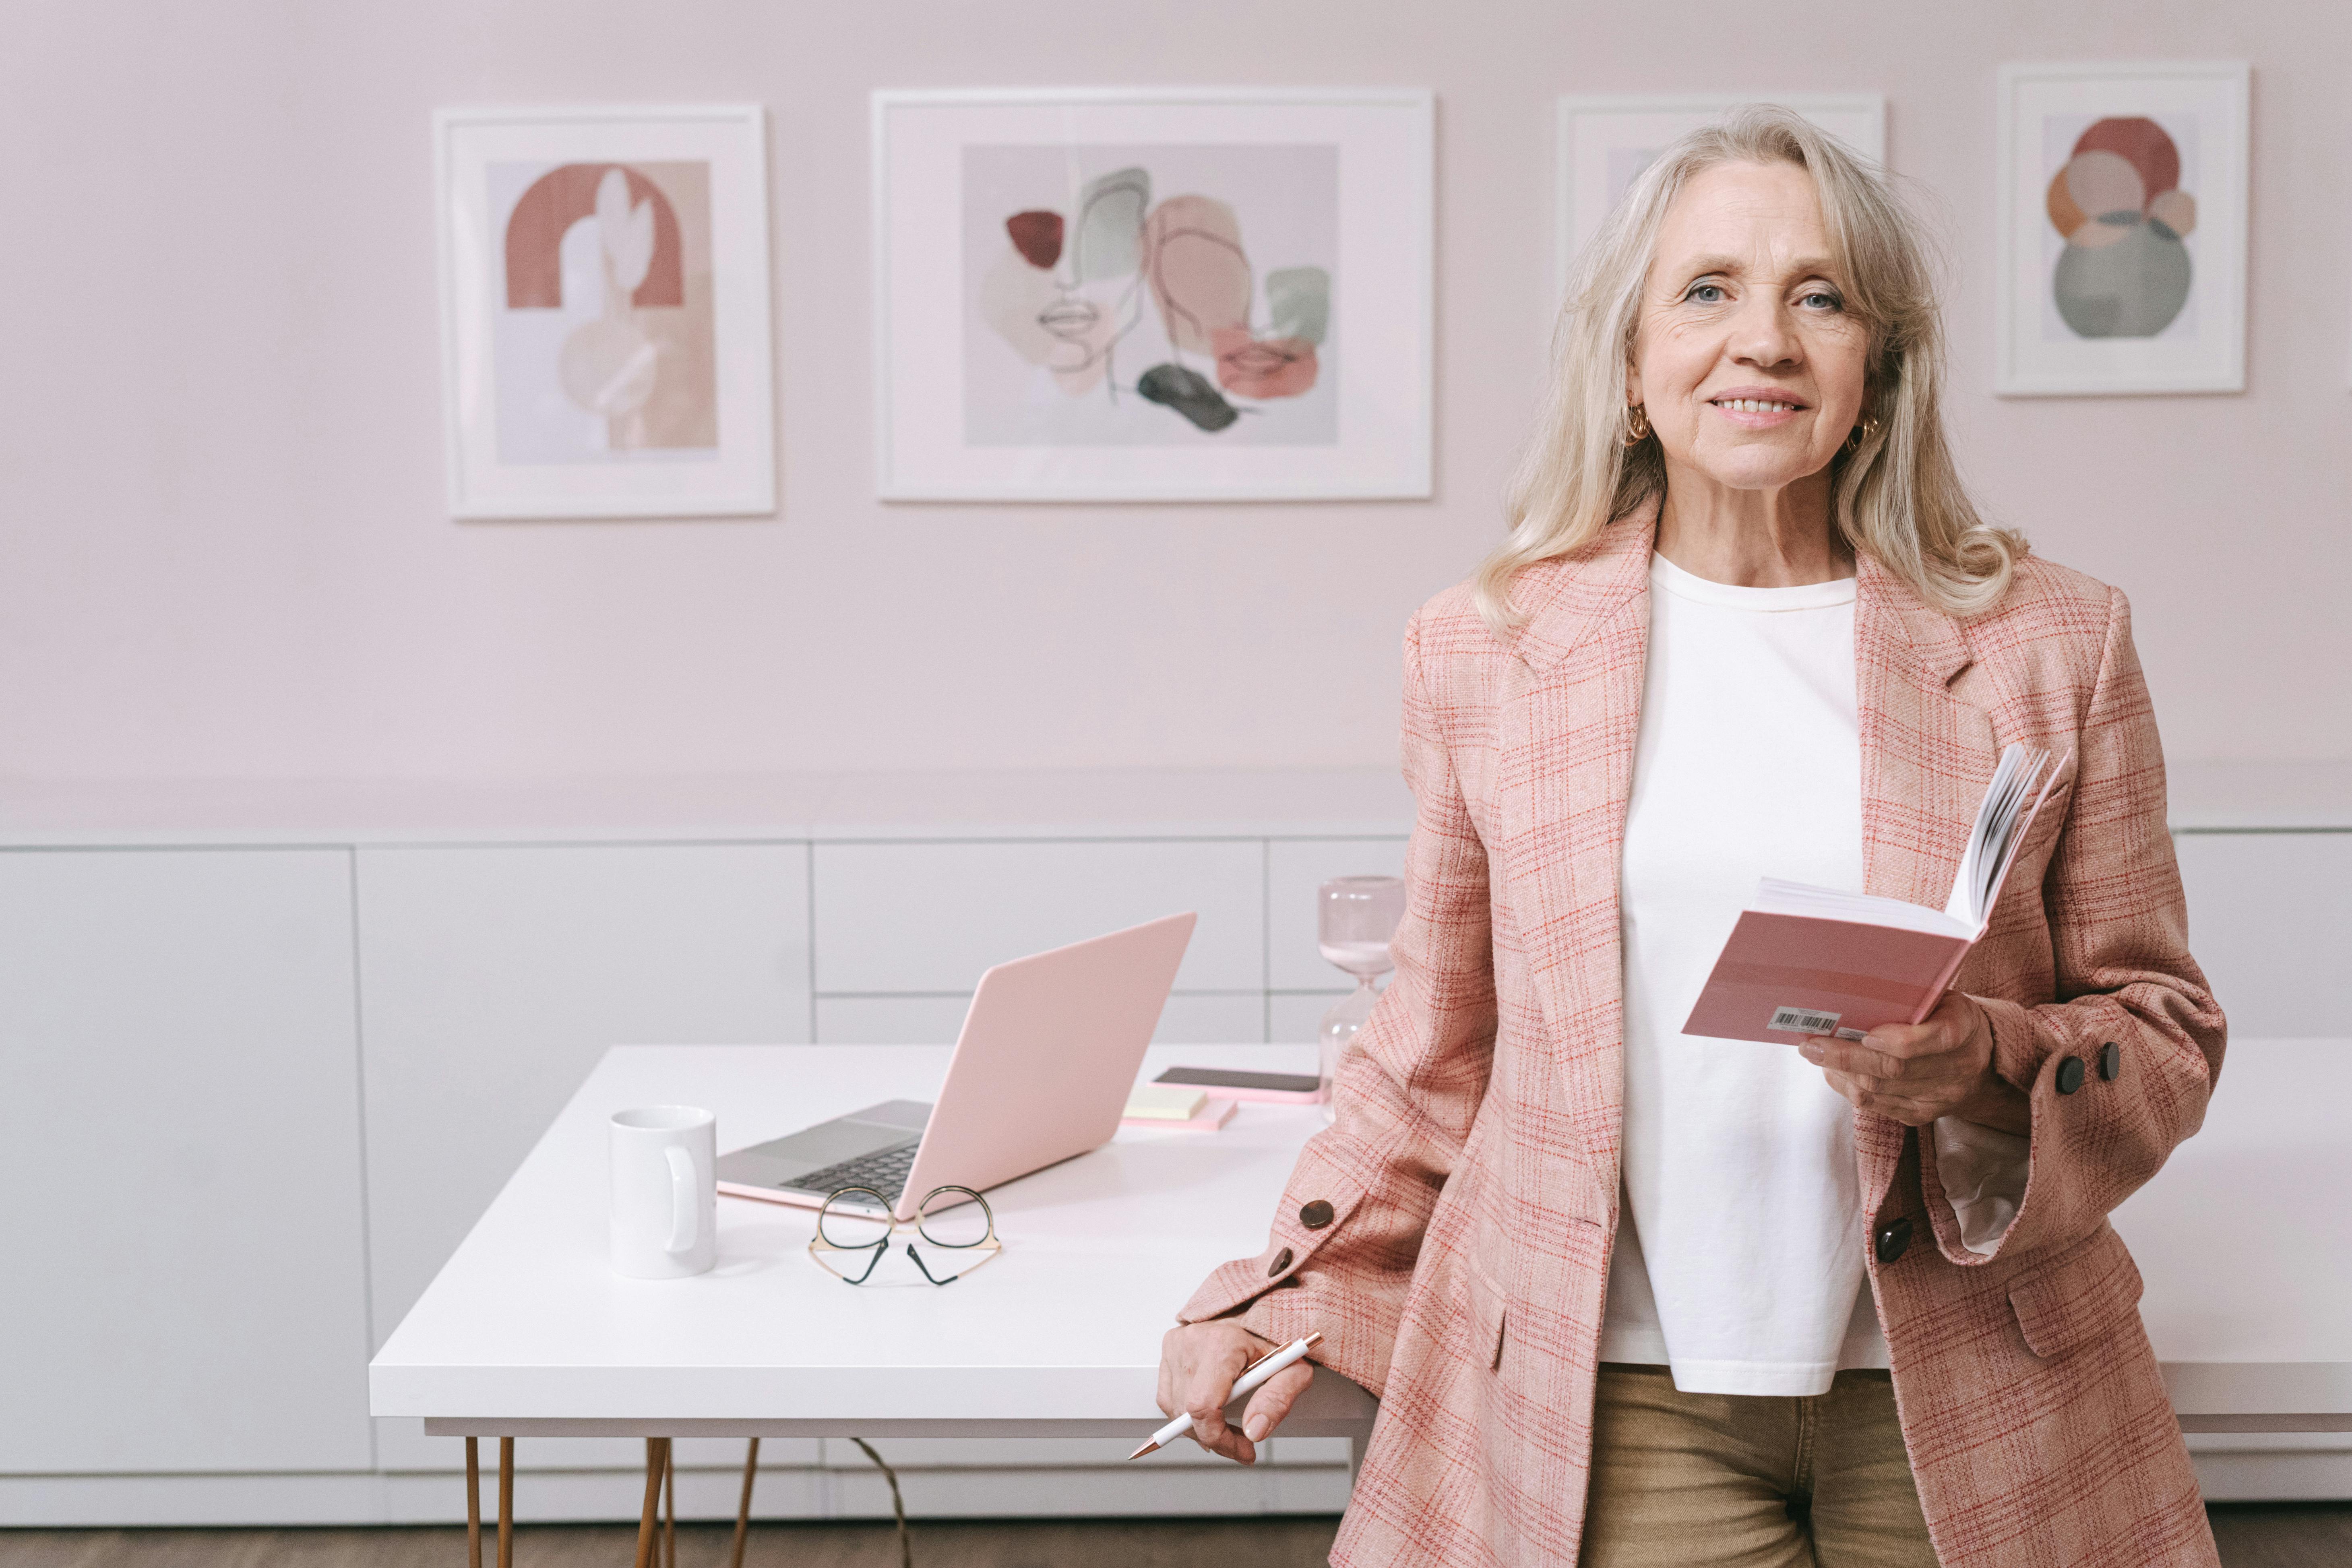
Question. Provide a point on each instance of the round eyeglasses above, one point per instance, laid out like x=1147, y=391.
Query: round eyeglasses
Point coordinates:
x=954, y=1221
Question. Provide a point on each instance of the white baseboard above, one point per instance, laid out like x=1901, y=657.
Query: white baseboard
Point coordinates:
x=373, y=1498
x=1311, y=1479
x=2272, y=1467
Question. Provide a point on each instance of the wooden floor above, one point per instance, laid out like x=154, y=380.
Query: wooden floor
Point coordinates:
x=2314, y=1535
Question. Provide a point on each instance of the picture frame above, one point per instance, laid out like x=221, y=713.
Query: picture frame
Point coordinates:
x=2145, y=291
x=1152, y=294
x=605, y=309
x=1603, y=141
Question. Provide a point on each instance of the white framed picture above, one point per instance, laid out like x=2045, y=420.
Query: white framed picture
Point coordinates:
x=2121, y=239
x=1152, y=294
x=1605, y=142
x=604, y=312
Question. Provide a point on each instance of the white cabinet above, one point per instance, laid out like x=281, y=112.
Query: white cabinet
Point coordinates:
x=205, y=1248
x=1189, y=1019
x=893, y=918
x=2270, y=919
x=179, y=1159
x=1294, y=869
x=1301, y=987
x=492, y=977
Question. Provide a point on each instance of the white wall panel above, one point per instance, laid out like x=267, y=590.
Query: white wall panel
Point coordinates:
x=183, y=1287
x=932, y=916
x=2270, y=920
x=1294, y=870
x=1196, y=1019
x=491, y=980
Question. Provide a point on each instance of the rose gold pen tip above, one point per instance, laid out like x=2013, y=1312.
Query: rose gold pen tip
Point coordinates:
x=1147, y=1448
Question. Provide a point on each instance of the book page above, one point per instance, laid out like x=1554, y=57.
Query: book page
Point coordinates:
x=1999, y=829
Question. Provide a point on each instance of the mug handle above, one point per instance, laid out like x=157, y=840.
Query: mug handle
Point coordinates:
x=685, y=1213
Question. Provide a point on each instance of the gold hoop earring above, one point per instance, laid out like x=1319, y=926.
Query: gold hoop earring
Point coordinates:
x=1863, y=433
x=1637, y=425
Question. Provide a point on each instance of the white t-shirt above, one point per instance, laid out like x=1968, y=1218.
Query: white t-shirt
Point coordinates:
x=1739, y=1258
x=1739, y=1255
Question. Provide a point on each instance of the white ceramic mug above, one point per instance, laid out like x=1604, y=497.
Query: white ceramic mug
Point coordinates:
x=665, y=1192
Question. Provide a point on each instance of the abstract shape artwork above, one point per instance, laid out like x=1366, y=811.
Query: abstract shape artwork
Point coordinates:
x=2123, y=229
x=1189, y=250
x=604, y=294
x=1152, y=324
x=1148, y=294
x=2125, y=272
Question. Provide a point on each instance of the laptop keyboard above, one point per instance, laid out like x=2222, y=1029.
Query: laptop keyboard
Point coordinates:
x=886, y=1173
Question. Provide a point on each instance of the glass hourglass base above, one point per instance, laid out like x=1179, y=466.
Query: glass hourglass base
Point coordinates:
x=1338, y=1032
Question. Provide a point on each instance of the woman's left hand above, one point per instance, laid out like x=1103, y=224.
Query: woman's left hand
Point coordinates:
x=1914, y=1073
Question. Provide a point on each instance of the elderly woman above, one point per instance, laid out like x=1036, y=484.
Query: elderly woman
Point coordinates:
x=1634, y=1297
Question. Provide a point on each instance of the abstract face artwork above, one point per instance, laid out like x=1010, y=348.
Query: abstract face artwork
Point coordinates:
x=2118, y=201
x=604, y=345
x=1149, y=295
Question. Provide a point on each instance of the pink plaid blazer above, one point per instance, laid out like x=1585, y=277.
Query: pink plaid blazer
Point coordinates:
x=1471, y=1173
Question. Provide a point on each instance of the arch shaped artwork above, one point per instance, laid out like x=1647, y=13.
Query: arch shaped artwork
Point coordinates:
x=561, y=198
x=2125, y=271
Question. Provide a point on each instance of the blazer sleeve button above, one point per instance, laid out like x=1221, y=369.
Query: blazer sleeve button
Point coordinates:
x=2070, y=1075
x=1317, y=1215
x=1281, y=1261
x=1892, y=1238
x=2111, y=1061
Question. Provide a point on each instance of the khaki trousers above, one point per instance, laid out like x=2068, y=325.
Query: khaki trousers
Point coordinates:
x=1724, y=1480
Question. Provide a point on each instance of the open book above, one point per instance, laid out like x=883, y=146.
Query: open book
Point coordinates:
x=1814, y=960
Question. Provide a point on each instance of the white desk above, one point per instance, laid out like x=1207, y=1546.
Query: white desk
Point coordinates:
x=526, y=1333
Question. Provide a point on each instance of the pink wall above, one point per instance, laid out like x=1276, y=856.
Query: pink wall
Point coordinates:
x=222, y=544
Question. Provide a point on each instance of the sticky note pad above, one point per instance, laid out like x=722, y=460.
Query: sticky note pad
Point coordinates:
x=1164, y=1103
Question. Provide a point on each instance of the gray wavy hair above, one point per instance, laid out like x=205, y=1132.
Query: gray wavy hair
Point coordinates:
x=1897, y=497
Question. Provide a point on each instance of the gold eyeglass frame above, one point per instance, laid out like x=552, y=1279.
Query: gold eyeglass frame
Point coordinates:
x=820, y=1246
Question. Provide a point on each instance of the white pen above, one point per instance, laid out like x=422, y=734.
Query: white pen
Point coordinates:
x=1257, y=1373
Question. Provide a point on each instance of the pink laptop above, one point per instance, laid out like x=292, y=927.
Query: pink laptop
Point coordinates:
x=1050, y=1047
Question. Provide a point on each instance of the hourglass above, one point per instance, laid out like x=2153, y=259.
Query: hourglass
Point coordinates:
x=1355, y=919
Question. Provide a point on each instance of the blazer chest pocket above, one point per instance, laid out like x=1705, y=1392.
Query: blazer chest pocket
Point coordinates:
x=2077, y=1296
x=1487, y=1317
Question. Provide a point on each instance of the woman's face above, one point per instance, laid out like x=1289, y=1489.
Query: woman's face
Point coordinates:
x=1745, y=360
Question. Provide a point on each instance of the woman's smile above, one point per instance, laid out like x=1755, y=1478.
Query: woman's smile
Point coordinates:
x=1757, y=407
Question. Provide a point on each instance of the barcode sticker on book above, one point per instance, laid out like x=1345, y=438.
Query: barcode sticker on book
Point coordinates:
x=1803, y=1021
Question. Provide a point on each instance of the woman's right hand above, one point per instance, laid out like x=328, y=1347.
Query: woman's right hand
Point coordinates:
x=1198, y=1364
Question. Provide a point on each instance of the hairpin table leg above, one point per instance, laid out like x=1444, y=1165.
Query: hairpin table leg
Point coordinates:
x=669, y=1501
x=744, y=1508
x=652, y=1503
x=473, y=1504
x=506, y=1502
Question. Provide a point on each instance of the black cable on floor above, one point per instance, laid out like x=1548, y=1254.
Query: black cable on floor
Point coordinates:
x=897, y=1503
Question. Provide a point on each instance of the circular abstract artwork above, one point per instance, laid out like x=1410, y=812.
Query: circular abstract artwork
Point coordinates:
x=2123, y=272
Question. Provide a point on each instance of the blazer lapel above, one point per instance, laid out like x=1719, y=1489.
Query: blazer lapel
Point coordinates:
x=1570, y=717
x=1927, y=757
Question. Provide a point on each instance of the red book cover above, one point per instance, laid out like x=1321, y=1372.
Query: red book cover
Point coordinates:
x=1783, y=976
x=1793, y=968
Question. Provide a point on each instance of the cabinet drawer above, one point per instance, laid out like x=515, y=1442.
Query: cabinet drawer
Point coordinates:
x=180, y=1143
x=1294, y=870
x=2270, y=920
x=932, y=916
x=1193, y=1020
x=1295, y=1017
